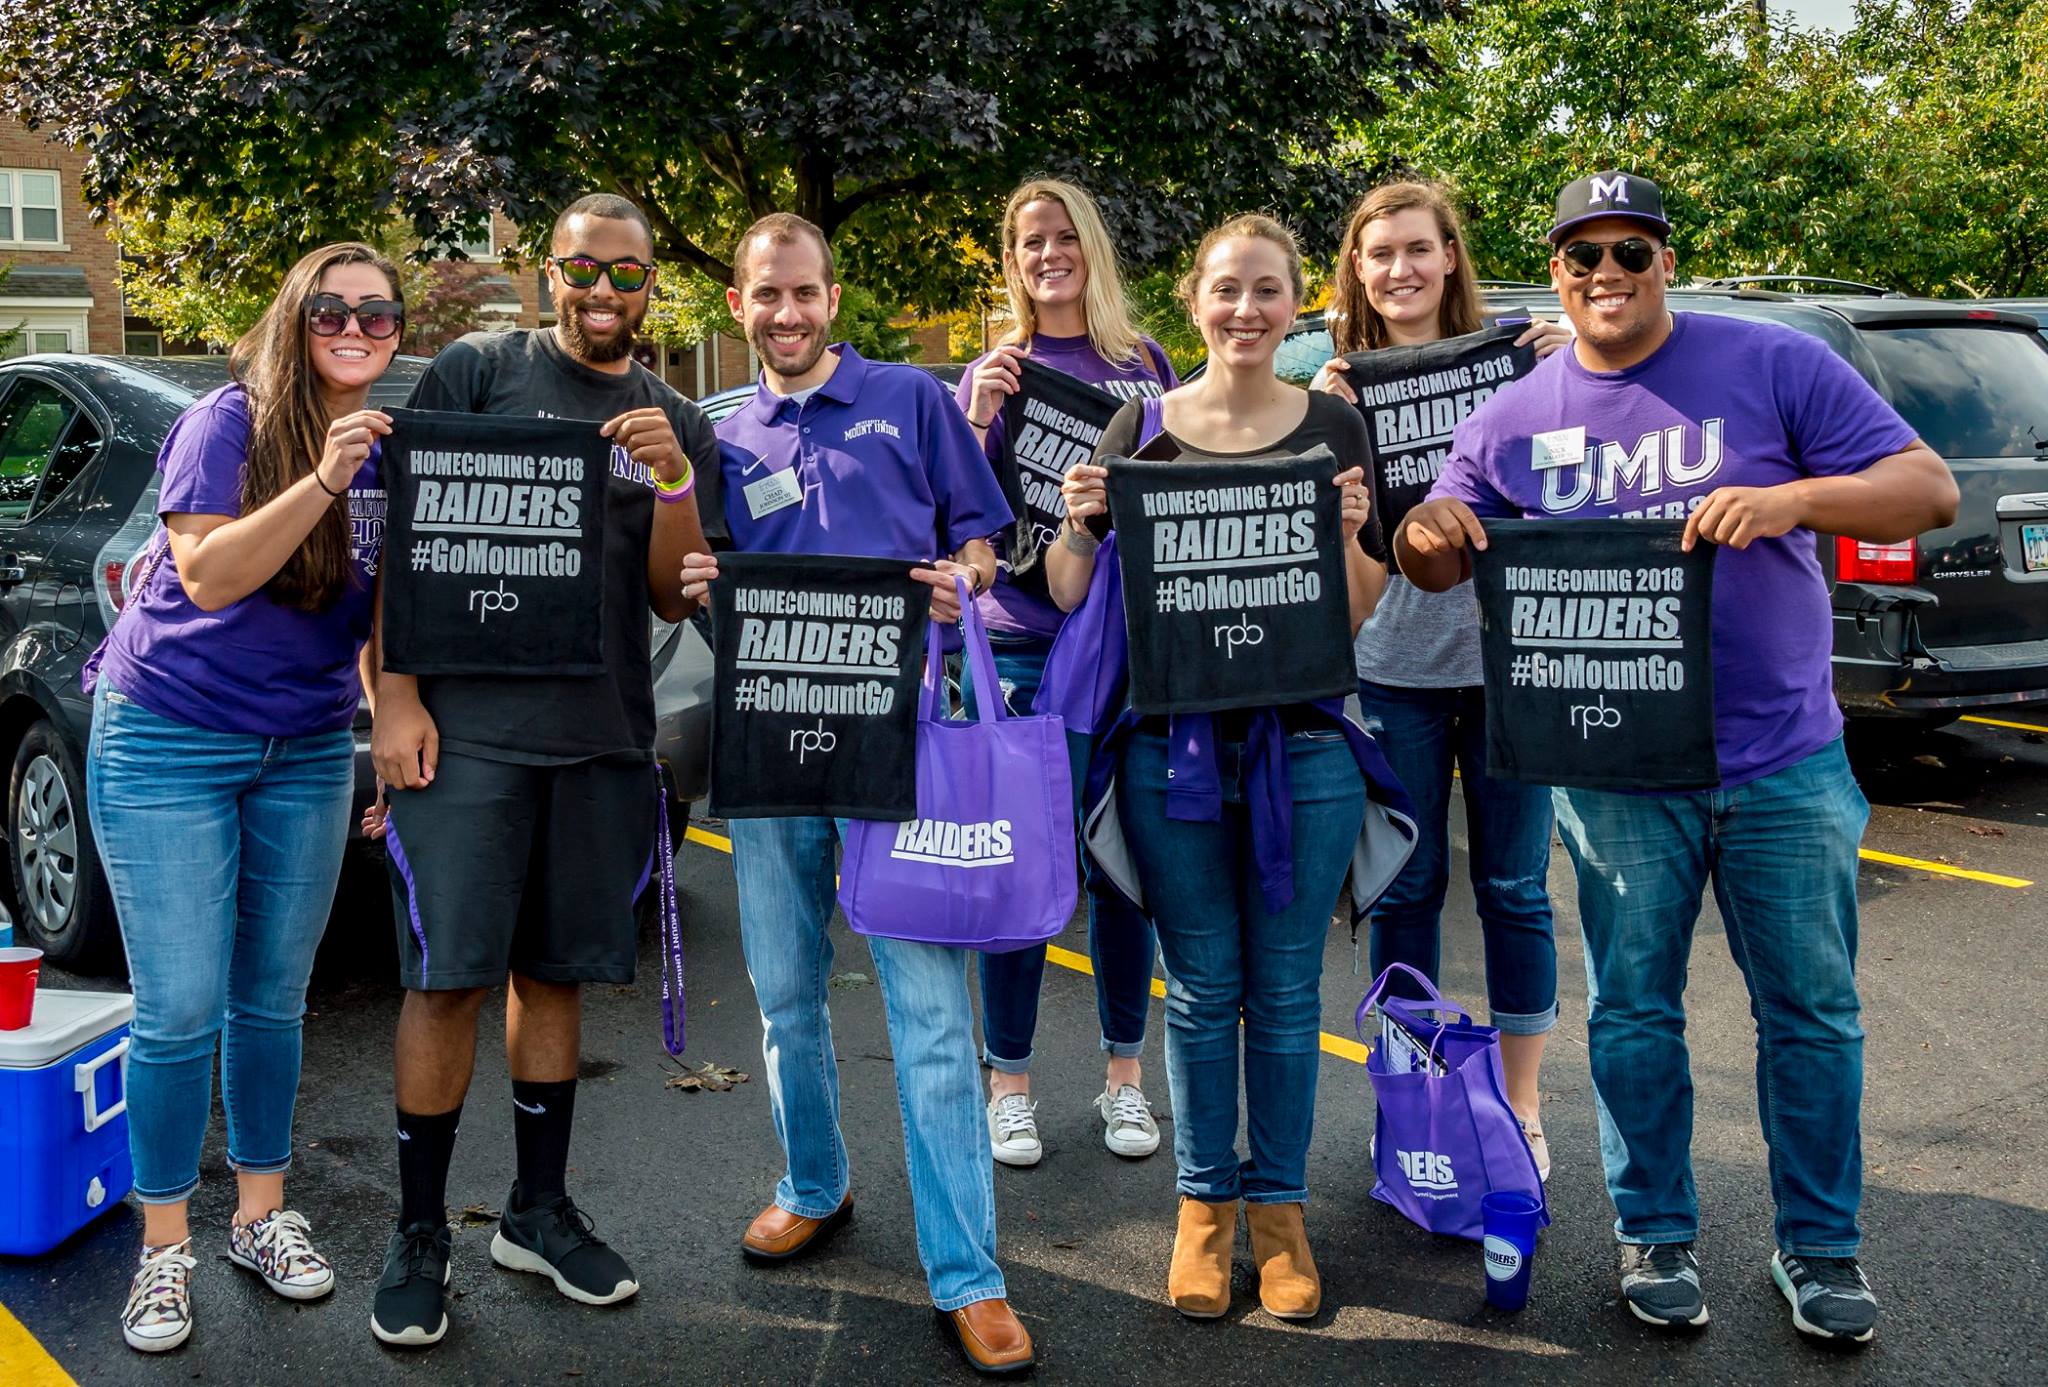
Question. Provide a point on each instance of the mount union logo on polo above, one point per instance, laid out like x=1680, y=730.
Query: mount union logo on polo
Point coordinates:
x=949, y=844
x=1429, y=1173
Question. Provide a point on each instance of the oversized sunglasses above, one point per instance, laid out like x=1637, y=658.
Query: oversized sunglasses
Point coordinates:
x=582, y=271
x=1633, y=253
x=327, y=316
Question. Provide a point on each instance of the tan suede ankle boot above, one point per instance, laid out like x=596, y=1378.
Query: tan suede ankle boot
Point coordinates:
x=1198, y=1282
x=1290, y=1287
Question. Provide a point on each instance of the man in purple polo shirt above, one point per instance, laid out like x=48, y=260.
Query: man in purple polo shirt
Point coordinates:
x=838, y=455
x=1758, y=436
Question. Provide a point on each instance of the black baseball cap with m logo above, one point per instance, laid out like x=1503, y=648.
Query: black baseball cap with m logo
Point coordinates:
x=1610, y=193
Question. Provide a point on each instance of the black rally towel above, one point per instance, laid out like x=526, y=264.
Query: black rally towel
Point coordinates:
x=1413, y=397
x=1052, y=422
x=494, y=544
x=1597, y=637
x=816, y=666
x=1233, y=577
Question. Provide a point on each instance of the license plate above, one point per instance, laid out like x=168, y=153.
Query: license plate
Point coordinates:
x=2034, y=546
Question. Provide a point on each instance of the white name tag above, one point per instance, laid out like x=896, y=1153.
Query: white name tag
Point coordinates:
x=1557, y=448
x=773, y=492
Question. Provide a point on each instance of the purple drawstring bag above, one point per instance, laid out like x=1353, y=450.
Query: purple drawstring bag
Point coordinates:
x=1444, y=1136
x=988, y=863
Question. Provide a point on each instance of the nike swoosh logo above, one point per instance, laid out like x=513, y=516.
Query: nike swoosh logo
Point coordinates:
x=404, y=1135
x=537, y=1109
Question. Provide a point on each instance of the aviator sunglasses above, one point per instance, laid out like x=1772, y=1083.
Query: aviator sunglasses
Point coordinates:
x=582, y=271
x=1633, y=253
x=327, y=316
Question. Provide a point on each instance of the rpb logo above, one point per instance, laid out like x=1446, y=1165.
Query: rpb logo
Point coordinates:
x=484, y=601
x=1587, y=716
x=805, y=740
x=1229, y=638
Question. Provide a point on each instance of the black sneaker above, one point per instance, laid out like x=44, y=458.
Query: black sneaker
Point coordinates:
x=1830, y=1297
x=1661, y=1284
x=410, y=1308
x=558, y=1240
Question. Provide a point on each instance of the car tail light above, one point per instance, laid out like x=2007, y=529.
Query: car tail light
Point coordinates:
x=120, y=578
x=1859, y=561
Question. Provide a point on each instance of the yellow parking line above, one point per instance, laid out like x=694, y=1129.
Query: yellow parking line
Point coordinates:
x=23, y=1361
x=2001, y=722
x=1066, y=958
x=1942, y=868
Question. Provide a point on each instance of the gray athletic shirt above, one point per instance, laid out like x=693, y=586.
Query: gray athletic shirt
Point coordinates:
x=1421, y=640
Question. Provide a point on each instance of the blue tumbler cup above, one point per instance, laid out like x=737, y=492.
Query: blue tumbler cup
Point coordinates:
x=1509, y=1222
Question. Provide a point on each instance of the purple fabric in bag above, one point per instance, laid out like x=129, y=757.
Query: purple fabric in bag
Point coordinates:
x=1442, y=1142
x=989, y=862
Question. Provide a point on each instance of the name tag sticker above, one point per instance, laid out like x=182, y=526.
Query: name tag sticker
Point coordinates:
x=776, y=491
x=1557, y=448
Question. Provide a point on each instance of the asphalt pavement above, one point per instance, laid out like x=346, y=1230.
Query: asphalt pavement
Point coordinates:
x=1956, y=1211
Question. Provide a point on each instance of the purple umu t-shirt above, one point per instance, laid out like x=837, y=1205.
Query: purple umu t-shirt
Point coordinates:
x=254, y=667
x=1009, y=610
x=1724, y=402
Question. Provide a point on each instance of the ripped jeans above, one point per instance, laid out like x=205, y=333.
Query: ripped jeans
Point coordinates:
x=1422, y=733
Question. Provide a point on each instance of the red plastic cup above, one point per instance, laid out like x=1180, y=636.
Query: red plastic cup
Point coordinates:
x=18, y=970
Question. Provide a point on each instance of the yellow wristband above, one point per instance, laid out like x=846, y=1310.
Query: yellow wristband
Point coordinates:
x=681, y=484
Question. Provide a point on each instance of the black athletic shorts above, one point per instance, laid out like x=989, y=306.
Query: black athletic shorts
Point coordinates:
x=500, y=867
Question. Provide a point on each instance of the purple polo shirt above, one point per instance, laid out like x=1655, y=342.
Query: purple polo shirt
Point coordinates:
x=882, y=464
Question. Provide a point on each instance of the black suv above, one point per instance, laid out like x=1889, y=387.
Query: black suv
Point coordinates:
x=1955, y=621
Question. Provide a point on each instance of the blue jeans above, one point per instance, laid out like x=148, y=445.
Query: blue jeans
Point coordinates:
x=1121, y=944
x=785, y=870
x=1227, y=955
x=1781, y=853
x=1422, y=732
x=222, y=851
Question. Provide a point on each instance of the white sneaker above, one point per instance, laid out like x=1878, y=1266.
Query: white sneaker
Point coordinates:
x=1128, y=1127
x=1013, y=1130
x=158, y=1315
x=279, y=1249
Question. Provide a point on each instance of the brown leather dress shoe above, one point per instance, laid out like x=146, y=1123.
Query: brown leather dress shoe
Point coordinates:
x=993, y=1338
x=778, y=1235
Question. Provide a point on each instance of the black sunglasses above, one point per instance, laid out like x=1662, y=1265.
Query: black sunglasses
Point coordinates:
x=1633, y=253
x=327, y=316
x=582, y=271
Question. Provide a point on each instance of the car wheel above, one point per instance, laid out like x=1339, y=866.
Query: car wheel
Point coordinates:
x=65, y=907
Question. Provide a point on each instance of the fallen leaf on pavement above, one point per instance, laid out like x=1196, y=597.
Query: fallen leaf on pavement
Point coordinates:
x=1986, y=830
x=1934, y=761
x=477, y=1215
x=717, y=1078
x=850, y=980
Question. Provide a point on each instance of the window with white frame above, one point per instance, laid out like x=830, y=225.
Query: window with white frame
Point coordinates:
x=480, y=244
x=40, y=332
x=28, y=207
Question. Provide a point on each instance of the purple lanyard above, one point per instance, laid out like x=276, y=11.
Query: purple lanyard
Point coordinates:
x=674, y=1015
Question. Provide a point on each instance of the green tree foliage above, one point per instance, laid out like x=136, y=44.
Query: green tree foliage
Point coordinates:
x=1907, y=151
x=894, y=125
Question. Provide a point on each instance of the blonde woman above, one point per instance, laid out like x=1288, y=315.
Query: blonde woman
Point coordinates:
x=1068, y=312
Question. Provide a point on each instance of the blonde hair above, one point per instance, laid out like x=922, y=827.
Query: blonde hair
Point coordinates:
x=1355, y=325
x=1110, y=330
x=1256, y=226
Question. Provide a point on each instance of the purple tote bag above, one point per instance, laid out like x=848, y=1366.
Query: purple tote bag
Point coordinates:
x=988, y=864
x=1442, y=1141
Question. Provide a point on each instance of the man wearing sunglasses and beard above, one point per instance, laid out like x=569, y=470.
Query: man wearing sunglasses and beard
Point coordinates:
x=527, y=815
x=1757, y=436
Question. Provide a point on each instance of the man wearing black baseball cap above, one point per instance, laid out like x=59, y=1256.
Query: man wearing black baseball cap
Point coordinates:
x=1757, y=436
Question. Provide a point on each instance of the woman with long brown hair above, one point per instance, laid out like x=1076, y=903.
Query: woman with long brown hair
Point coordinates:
x=1405, y=278
x=221, y=765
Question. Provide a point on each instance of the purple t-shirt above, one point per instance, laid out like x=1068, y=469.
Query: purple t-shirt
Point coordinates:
x=1009, y=610
x=1724, y=402
x=254, y=667
x=876, y=463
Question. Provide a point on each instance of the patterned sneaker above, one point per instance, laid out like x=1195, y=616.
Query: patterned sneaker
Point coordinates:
x=1013, y=1131
x=1830, y=1297
x=1127, y=1124
x=158, y=1315
x=410, y=1309
x=558, y=1241
x=1661, y=1283
x=279, y=1249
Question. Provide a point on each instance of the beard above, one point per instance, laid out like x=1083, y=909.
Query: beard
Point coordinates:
x=612, y=346
x=774, y=356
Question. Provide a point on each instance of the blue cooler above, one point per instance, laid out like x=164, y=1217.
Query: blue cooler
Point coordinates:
x=63, y=1118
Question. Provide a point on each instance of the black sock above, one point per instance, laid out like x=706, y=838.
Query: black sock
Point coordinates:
x=425, y=1146
x=540, y=1128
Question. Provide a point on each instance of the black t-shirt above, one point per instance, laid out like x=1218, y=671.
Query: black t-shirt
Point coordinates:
x=1330, y=422
x=555, y=719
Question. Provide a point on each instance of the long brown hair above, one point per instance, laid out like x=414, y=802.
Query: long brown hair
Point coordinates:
x=273, y=363
x=1355, y=325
